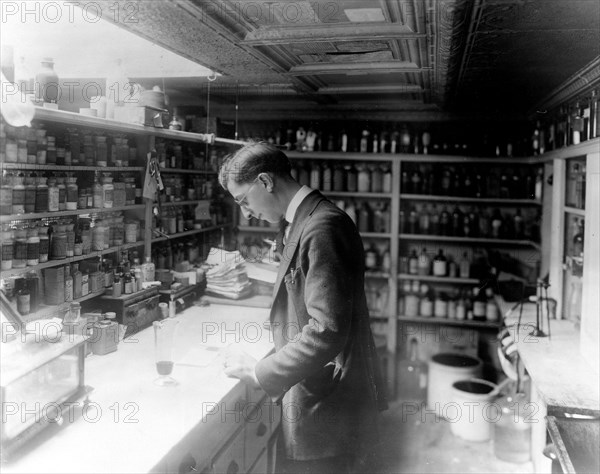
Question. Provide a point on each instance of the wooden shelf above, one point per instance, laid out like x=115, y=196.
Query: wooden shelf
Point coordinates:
x=451, y=322
x=471, y=200
x=258, y=230
x=75, y=212
x=179, y=203
x=348, y=194
x=188, y=233
x=353, y=156
x=436, y=279
x=376, y=235
x=184, y=171
x=376, y=274
x=67, y=168
x=46, y=311
x=575, y=210
x=69, y=260
x=470, y=240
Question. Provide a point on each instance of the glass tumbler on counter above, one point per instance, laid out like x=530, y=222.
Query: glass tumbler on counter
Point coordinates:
x=164, y=333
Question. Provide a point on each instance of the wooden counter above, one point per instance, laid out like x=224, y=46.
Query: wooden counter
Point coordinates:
x=563, y=378
x=133, y=425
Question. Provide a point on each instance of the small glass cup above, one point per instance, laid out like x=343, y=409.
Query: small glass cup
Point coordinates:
x=164, y=332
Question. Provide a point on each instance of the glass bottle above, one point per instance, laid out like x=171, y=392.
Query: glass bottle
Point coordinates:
x=578, y=239
x=72, y=193
x=89, y=151
x=101, y=151
x=8, y=248
x=365, y=218
x=364, y=179
x=44, y=245
x=315, y=175
x=20, y=247
x=387, y=179
x=327, y=177
x=376, y=178
x=351, y=178
x=50, y=150
x=440, y=264
x=18, y=194
x=445, y=225
x=108, y=189
x=457, y=222
x=413, y=221
x=497, y=227
x=371, y=258
x=98, y=192
x=412, y=375
x=62, y=193
x=6, y=194
x=424, y=264
x=425, y=302
x=33, y=246
x=464, y=266
x=413, y=263
x=30, y=190
x=68, y=284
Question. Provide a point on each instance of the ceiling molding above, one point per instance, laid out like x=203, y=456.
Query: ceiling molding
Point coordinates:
x=381, y=89
x=355, y=67
x=583, y=80
x=324, y=32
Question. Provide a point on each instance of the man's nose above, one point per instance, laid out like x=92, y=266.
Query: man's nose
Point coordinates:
x=246, y=212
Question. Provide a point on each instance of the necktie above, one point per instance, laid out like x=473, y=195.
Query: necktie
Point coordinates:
x=280, y=236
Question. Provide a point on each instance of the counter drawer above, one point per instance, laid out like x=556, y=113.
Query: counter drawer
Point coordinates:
x=258, y=429
x=231, y=459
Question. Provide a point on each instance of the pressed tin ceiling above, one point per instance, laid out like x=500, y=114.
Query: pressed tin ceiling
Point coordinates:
x=378, y=58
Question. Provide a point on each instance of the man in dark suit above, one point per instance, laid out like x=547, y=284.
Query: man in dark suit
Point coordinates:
x=324, y=371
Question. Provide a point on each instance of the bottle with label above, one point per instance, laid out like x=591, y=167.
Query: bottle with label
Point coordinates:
x=464, y=266
x=76, y=275
x=445, y=224
x=351, y=178
x=425, y=302
x=497, y=225
x=440, y=264
x=30, y=190
x=18, y=194
x=412, y=375
x=413, y=263
x=327, y=177
x=20, y=252
x=33, y=246
x=53, y=195
x=424, y=264
x=68, y=284
x=98, y=192
x=479, y=304
x=72, y=192
x=62, y=193
x=8, y=248
x=315, y=175
x=6, y=195
x=108, y=189
x=364, y=178
x=371, y=258
x=413, y=221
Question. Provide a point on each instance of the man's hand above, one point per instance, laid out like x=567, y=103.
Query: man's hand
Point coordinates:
x=239, y=365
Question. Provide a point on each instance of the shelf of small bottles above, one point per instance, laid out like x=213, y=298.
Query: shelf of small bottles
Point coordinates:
x=376, y=274
x=69, y=260
x=180, y=203
x=354, y=156
x=187, y=233
x=34, y=167
x=438, y=279
x=451, y=322
x=266, y=230
x=70, y=118
x=348, y=194
x=500, y=201
x=74, y=212
x=574, y=210
x=45, y=311
x=184, y=171
x=470, y=240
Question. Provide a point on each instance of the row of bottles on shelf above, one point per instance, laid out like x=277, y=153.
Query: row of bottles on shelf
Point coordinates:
x=344, y=177
x=25, y=192
x=473, y=304
x=42, y=146
x=490, y=182
x=175, y=155
x=27, y=244
x=186, y=188
x=438, y=265
x=436, y=139
x=459, y=222
x=568, y=124
x=119, y=275
x=168, y=255
x=174, y=220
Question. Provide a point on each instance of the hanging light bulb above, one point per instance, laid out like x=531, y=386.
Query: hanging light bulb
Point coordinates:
x=17, y=108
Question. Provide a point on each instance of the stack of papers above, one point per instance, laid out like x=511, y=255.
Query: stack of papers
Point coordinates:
x=228, y=278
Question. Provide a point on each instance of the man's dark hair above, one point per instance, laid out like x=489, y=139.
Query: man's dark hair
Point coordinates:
x=245, y=164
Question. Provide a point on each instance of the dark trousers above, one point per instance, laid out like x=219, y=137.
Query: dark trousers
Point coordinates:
x=331, y=465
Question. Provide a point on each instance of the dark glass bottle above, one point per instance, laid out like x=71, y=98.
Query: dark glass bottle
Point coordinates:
x=445, y=224
x=413, y=221
x=497, y=224
x=457, y=221
x=434, y=221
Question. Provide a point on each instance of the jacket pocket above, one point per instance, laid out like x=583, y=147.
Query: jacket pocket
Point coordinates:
x=325, y=381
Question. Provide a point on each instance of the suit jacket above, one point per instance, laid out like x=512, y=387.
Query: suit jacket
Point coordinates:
x=324, y=370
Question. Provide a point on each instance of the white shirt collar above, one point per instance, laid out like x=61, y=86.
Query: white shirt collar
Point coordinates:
x=294, y=204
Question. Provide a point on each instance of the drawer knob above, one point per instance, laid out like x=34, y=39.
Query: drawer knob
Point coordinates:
x=261, y=430
x=233, y=468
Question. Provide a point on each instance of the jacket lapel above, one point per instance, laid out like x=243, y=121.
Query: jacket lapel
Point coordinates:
x=303, y=213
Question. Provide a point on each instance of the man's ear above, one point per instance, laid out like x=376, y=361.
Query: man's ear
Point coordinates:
x=267, y=181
